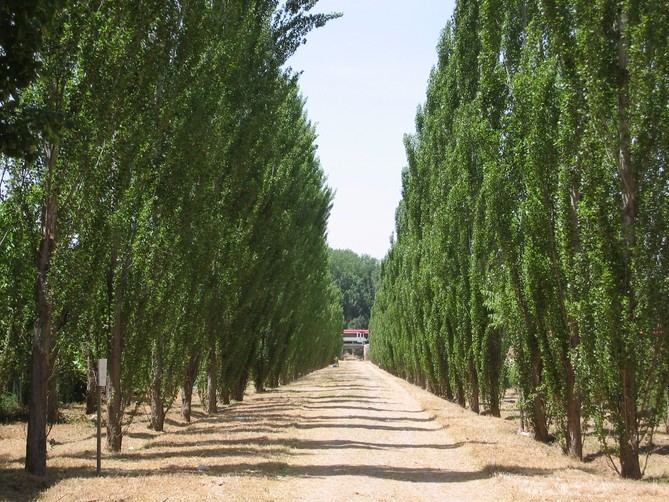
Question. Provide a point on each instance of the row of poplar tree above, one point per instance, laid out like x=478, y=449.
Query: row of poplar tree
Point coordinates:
x=532, y=236
x=171, y=213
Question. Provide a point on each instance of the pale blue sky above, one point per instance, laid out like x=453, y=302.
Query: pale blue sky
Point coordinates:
x=363, y=77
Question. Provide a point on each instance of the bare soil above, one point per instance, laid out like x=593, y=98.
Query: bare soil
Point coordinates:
x=346, y=433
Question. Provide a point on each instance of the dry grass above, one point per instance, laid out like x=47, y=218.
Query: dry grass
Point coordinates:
x=538, y=471
x=352, y=432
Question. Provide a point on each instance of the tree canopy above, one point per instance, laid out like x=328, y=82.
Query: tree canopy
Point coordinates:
x=173, y=217
x=356, y=277
x=532, y=231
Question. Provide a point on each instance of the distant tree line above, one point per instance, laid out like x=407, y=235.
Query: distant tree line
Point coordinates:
x=161, y=205
x=356, y=277
x=532, y=238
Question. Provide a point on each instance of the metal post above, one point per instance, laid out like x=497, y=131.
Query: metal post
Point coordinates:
x=99, y=455
x=102, y=382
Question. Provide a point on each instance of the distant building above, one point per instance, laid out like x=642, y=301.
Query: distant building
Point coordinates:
x=355, y=341
x=355, y=336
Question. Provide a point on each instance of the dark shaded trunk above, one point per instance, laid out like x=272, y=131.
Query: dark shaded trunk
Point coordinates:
x=496, y=362
x=41, y=344
x=259, y=379
x=114, y=391
x=574, y=434
x=574, y=440
x=157, y=421
x=628, y=440
x=538, y=417
x=52, y=414
x=239, y=387
x=494, y=397
x=523, y=419
x=212, y=406
x=444, y=381
x=114, y=396
x=187, y=387
x=420, y=379
x=36, y=440
x=474, y=390
x=459, y=392
x=446, y=389
x=225, y=395
x=629, y=436
x=91, y=384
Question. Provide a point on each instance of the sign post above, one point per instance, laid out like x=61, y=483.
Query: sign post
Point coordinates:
x=102, y=382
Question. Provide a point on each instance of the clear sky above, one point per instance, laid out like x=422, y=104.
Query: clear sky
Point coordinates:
x=363, y=77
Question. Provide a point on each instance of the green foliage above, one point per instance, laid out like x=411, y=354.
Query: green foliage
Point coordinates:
x=10, y=407
x=190, y=206
x=532, y=230
x=356, y=277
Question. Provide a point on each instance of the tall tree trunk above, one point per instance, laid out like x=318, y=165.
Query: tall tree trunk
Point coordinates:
x=574, y=438
x=459, y=392
x=187, y=386
x=114, y=390
x=494, y=395
x=474, y=390
x=538, y=418
x=225, y=394
x=259, y=377
x=156, y=392
x=91, y=384
x=52, y=393
x=629, y=437
x=114, y=396
x=523, y=419
x=239, y=386
x=41, y=343
x=494, y=351
x=444, y=382
x=211, y=378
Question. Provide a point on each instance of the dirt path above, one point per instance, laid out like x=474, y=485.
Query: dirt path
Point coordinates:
x=362, y=436
x=339, y=434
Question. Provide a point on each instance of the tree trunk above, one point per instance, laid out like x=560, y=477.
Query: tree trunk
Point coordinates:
x=225, y=394
x=628, y=440
x=538, y=417
x=259, y=378
x=187, y=387
x=574, y=438
x=574, y=441
x=114, y=396
x=41, y=344
x=52, y=394
x=156, y=392
x=494, y=396
x=114, y=391
x=91, y=384
x=494, y=355
x=474, y=392
x=239, y=387
x=211, y=379
x=444, y=383
x=459, y=392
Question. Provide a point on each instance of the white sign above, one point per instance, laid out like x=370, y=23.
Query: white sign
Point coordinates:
x=102, y=372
